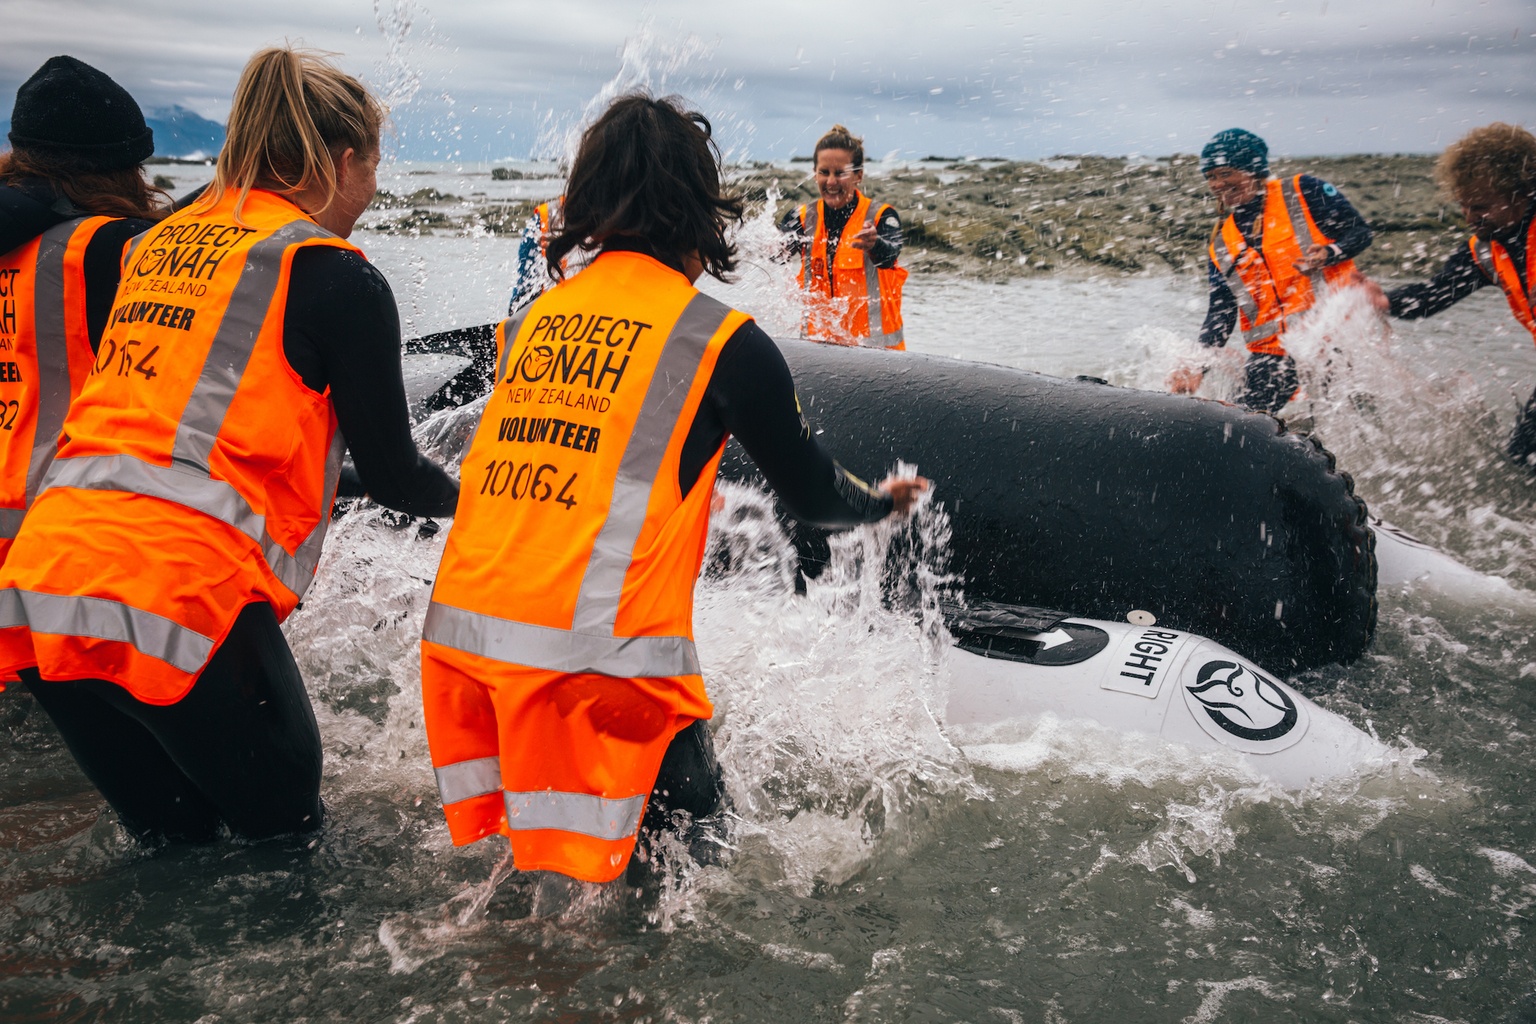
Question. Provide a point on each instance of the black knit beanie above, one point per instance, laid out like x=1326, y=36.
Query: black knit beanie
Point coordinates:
x=70, y=111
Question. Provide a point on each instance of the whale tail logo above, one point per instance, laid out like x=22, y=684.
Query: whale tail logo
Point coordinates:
x=1244, y=703
x=535, y=363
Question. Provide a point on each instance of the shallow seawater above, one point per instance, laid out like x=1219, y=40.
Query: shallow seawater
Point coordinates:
x=884, y=866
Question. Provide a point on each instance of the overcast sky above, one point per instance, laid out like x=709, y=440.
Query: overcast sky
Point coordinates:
x=489, y=79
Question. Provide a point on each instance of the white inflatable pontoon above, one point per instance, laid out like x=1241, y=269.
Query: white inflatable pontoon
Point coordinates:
x=1019, y=663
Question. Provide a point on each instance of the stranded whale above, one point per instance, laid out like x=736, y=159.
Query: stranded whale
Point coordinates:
x=1078, y=495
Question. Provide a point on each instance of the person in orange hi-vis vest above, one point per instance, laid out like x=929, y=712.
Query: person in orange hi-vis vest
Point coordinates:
x=72, y=193
x=532, y=247
x=562, y=695
x=184, y=513
x=1281, y=244
x=849, y=247
x=1491, y=174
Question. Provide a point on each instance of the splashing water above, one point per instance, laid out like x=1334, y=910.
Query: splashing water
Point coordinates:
x=645, y=62
x=1419, y=441
x=830, y=705
x=1446, y=479
x=879, y=871
x=766, y=282
x=399, y=78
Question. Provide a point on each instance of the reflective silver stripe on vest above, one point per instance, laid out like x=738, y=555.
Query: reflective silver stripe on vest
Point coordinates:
x=510, y=329
x=1239, y=289
x=1482, y=254
x=189, y=481
x=808, y=221
x=878, y=337
x=1227, y=264
x=1482, y=251
x=52, y=352
x=465, y=779
x=597, y=602
x=234, y=342
x=133, y=248
x=1225, y=261
x=1302, y=233
x=575, y=812
x=558, y=650
x=1263, y=332
x=103, y=619
x=872, y=280
x=299, y=568
x=10, y=522
x=212, y=497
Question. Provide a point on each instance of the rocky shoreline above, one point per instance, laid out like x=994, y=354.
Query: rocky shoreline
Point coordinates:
x=1000, y=219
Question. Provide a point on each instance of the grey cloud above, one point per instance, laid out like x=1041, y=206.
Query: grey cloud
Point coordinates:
x=487, y=79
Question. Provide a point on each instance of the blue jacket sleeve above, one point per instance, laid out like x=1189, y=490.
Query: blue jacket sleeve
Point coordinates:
x=1458, y=278
x=531, y=277
x=1221, y=314
x=1337, y=218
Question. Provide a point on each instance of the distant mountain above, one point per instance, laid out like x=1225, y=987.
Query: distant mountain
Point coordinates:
x=183, y=134
x=180, y=134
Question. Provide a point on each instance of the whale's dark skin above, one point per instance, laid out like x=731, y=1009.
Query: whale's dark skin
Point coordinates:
x=1093, y=499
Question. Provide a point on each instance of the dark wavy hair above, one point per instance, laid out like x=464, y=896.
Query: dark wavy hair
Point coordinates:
x=118, y=193
x=649, y=169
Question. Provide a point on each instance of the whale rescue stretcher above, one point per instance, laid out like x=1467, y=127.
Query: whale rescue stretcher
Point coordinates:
x=1177, y=530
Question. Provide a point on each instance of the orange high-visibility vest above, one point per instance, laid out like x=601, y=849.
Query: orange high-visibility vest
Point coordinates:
x=549, y=220
x=1265, y=282
x=857, y=302
x=562, y=615
x=45, y=355
x=1494, y=260
x=196, y=473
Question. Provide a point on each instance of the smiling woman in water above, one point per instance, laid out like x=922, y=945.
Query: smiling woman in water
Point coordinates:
x=849, y=247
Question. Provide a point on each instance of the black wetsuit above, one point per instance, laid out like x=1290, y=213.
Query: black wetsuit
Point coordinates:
x=1459, y=277
x=888, y=236
x=242, y=749
x=31, y=208
x=1270, y=381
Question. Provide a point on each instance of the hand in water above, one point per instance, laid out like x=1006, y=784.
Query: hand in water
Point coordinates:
x=1379, y=301
x=1185, y=380
x=903, y=491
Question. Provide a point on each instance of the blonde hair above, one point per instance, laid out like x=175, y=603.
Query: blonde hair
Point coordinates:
x=838, y=137
x=1498, y=156
x=293, y=113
